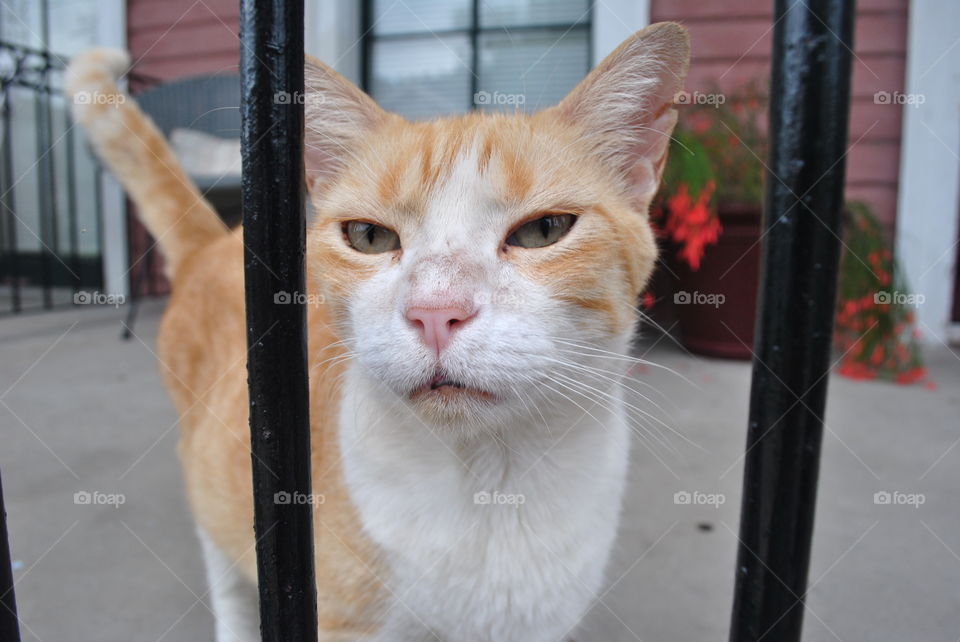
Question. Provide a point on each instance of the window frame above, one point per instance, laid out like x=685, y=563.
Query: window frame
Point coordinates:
x=474, y=32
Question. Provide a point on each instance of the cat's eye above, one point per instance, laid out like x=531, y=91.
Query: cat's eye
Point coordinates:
x=542, y=231
x=370, y=238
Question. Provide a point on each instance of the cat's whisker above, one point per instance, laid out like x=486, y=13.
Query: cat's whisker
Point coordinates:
x=649, y=432
x=571, y=400
x=657, y=434
x=542, y=418
x=635, y=408
x=332, y=361
x=616, y=378
x=616, y=373
x=520, y=397
x=622, y=357
x=599, y=402
x=640, y=417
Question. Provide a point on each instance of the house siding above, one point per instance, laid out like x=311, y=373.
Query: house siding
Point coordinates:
x=177, y=38
x=171, y=39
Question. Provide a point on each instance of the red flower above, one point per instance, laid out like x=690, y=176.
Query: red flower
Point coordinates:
x=692, y=225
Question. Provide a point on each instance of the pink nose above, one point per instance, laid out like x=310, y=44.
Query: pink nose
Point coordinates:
x=436, y=325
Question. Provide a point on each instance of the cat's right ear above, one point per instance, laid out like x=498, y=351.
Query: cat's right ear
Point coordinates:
x=337, y=114
x=624, y=107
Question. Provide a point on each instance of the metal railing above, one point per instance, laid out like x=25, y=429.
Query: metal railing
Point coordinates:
x=274, y=234
x=808, y=131
x=9, y=621
x=41, y=262
x=809, y=111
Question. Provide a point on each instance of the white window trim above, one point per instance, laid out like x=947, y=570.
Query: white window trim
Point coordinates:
x=112, y=32
x=613, y=22
x=333, y=33
x=930, y=166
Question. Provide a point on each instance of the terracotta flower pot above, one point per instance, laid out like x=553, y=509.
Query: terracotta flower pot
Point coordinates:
x=716, y=305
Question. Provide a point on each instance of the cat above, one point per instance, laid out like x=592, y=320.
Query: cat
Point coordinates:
x=473, y=282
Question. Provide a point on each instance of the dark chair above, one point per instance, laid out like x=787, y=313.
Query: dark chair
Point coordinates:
x=210, y=104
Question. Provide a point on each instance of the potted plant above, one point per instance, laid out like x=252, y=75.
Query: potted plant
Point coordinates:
x=874, y=329
x=708, y=215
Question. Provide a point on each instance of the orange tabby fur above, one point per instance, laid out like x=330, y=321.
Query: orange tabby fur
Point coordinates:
x=540, y=162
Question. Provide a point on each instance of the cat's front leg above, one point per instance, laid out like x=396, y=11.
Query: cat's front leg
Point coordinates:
x=233, y=597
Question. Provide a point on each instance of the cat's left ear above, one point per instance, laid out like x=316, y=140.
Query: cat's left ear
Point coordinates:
x=624, y=107
x=337, y=117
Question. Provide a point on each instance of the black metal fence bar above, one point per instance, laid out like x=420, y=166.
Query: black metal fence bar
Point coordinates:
x=810, y=93
x=271, y=64
x=9, y=623
x=12, y=268
x=46, y=201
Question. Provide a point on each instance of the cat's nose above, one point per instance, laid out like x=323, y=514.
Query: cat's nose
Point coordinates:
x=437, y=325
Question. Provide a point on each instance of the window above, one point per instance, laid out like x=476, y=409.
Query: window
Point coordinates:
x=428, y=58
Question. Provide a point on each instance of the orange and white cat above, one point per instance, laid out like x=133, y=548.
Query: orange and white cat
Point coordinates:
x=478, y=276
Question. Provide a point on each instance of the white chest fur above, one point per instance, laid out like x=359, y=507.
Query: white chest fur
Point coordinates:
x=488, y=539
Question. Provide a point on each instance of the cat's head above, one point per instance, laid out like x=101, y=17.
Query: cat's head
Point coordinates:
x=476, y=264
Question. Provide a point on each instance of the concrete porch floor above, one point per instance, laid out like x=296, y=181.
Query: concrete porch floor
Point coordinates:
x=82, y=410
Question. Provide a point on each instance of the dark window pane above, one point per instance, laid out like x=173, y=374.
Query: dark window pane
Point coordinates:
x=530, y=70
x=422, y=77
x=514, y=13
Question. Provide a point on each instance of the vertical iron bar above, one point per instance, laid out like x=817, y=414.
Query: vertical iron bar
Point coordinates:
x=9, y=204
x=48, y=207
x=51, y=172
x=98, y=223
x=9, y=622
x=271, y=66
x=43, y=199
x=72, y=202
x=809, y=109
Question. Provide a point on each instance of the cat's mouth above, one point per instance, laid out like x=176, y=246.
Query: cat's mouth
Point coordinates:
x=444, y=386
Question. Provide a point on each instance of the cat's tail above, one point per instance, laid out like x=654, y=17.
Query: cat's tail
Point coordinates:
x=128, y=142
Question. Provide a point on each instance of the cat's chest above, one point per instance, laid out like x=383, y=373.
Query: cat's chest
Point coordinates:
x=501, y=538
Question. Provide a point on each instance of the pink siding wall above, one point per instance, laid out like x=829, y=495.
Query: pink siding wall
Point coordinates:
x=170, y=39
x=174, y=38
